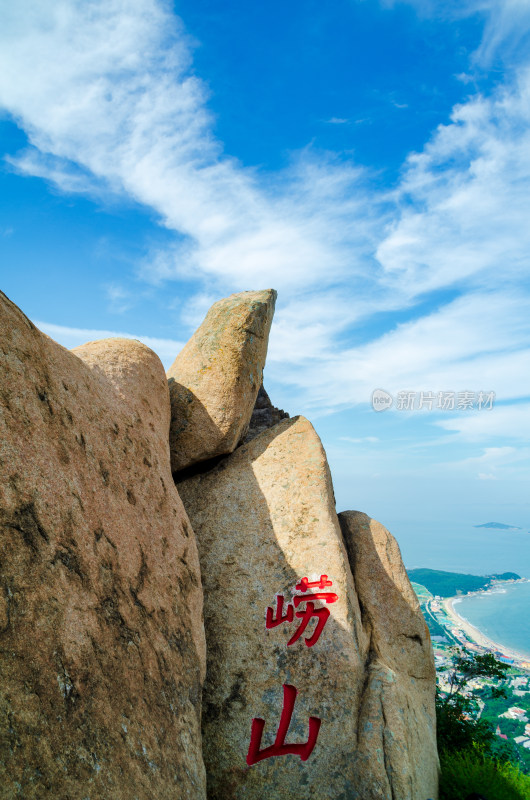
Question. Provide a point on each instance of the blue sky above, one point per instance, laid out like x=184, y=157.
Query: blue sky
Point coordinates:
x=369, y=160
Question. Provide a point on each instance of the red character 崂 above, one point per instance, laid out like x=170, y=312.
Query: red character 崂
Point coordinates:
x=306, y=614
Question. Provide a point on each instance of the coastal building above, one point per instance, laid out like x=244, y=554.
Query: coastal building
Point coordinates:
x=499, y=733
x=501, y=657
x=515, y=713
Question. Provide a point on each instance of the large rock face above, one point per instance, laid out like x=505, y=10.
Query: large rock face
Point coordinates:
x=265, y=519
x=101, y=637
x=214, y=380
x=396, y=714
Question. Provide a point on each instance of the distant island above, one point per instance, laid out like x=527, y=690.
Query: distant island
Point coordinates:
x=500, y=526
x=449, y=584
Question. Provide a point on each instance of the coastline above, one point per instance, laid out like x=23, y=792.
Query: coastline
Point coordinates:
x=477, y=640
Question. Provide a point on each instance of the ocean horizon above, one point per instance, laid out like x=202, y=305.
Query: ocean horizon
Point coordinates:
x=461, y=547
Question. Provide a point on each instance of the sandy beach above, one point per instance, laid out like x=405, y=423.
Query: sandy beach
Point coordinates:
x=478, y=638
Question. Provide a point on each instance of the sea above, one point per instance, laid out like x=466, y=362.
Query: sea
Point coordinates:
x=503, y=616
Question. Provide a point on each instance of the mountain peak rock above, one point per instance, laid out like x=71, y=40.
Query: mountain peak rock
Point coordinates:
x=214, y=380
x=313, y=670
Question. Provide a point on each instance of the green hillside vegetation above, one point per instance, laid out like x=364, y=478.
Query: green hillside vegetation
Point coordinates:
x=435, y=629
x=422, y=593
x=472, y=758
x=448, y=584
x=470, y=771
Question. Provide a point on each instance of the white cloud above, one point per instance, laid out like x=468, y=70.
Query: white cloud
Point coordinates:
x=507, y=25
x=120, y=299
x=479, y=342
x=506, y=422
x=166, y=349
x=466, y=199
x=492, y=456
x=109, y=103
x=465, y=203
x=68, y=176
x=495, y=463
x=506, y=22
x=193, y=311
x=108, y=92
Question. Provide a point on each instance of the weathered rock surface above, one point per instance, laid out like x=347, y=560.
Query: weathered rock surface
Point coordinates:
x=264, y=416
x=215, y=379
x=264, y=519
x=101, y=637
x=396, y=715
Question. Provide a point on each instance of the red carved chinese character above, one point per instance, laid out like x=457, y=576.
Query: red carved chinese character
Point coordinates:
x=329, y=597
x=304, y=584
x=270, y=622
x=306, y=615
x=279, y=748
x=322, y=615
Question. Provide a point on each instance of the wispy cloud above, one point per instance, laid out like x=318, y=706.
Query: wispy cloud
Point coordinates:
x=476, y=339
x=110, y=104
x=360, y=440
x=509, y=422
x=120, y=298
x=495, y=463
x=108, y=91
x=506, y=22
x=507, y=26
x=166, y=349
x=465, y=199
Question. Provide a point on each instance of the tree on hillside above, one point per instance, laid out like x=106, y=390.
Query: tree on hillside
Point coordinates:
x=456, y=709
x=475, y=763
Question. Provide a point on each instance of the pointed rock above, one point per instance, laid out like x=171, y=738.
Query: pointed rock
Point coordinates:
x=214, y=380
x=397, y=711
x=101, y=638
